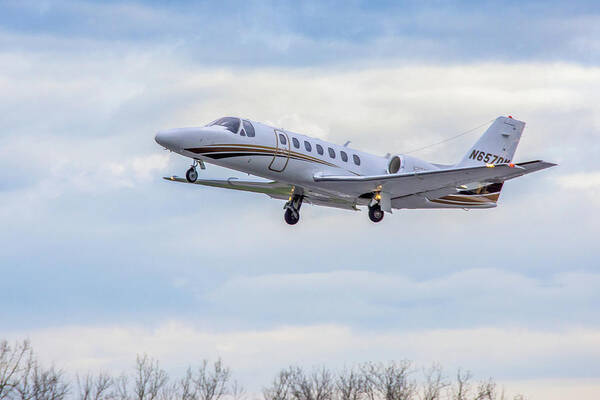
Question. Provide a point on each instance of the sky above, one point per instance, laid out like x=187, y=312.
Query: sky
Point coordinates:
x=102, y=259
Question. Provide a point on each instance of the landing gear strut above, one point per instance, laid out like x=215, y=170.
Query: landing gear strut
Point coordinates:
x=192, y=174
x=292, y=209
x=375, y=213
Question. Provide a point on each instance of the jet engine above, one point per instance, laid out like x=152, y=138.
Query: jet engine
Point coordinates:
x=396, y=162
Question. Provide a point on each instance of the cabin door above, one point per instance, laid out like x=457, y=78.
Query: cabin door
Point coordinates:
x=281, y=155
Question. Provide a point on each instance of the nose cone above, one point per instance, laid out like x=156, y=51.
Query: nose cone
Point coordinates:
x=166, y=139
x=160, y=138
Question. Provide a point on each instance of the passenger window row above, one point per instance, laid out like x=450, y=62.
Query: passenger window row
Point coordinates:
x=308, y=147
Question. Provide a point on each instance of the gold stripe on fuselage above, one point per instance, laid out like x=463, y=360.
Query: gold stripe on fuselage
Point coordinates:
x=271, y=151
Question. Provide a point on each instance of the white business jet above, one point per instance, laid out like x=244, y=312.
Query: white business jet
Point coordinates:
x=301, y=169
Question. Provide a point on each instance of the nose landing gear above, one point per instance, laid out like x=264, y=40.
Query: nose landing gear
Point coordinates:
x=192, y=174
x=292, y=209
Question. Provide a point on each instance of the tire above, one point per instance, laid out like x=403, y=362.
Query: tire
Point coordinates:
x=191, y=175
x=290, y=218
x=375, y=213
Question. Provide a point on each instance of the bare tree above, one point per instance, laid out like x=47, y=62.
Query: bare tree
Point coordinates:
x=319, y=385
x=238, y=392
x=389, y=381
x=23, y=378
x=486, y=390
x=37, y=383
x=282, y=386
x=212, y=384
x=49, y=384
x=149, y=378
x=121, y=388
x=350, y=385
x=433, y=384
x=169, y=391
x=24, y=389
x=95, y=387
x=187, y=388
x=12, y=362
x=462, y=387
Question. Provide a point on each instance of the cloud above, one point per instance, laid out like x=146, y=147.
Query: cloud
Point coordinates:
x=259, y=33
x=80, y=170
x=580, y=181
x=365, y=298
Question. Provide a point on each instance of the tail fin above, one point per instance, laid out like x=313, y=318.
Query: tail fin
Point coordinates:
x=497, y=145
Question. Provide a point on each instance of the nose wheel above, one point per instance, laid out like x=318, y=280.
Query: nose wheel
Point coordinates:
x=292, y=210
x=376, y=213
x=191, y=175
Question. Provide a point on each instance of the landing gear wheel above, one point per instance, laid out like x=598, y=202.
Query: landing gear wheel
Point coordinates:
x=191, y=175
x=375, y=213
x=291, y=217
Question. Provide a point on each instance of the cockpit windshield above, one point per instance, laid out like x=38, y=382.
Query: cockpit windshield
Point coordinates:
x=232, y=124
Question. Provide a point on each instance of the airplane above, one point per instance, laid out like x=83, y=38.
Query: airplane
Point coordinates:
x=303, y=169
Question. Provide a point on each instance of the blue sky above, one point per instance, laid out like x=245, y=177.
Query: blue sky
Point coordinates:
x=96, y=245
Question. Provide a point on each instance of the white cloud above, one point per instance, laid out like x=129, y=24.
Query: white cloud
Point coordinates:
x=467, y=298
x=580, y=181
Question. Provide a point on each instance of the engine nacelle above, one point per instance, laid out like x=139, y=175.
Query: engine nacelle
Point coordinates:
x=395, y=164
x=401, y=163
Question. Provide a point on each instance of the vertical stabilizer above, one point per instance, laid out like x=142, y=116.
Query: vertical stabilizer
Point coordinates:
x=497, y=145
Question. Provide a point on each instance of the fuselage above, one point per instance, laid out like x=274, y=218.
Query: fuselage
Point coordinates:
x=277, y=154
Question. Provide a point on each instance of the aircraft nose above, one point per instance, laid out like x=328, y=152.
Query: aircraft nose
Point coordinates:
x=165, y=139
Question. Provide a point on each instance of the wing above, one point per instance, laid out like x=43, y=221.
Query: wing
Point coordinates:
x=434, y=183
x=273, y=189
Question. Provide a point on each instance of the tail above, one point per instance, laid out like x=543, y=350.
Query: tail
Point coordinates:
x=497, y=145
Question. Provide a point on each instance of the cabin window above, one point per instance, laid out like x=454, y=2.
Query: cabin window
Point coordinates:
x=320, y=149
x=356, y=159
x=282, y=139
x=232, y=124
x=344, y=156
x=296, y=143
x=307, y=146
x=249, y=128
x=331, y=152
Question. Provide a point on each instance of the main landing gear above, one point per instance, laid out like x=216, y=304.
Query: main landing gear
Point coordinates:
x=292, y=209
x=192, y=174
x=376, y=213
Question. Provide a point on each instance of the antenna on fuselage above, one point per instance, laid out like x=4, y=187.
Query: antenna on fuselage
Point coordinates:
x=347, y=143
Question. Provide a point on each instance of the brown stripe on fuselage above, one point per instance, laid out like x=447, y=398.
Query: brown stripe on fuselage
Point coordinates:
x=457, y=203
x=292, y=152
x=473, y=198
x=262, y=150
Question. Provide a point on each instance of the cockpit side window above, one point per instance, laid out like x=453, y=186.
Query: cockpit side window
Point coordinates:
x=232, y=124
x=248, y=128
